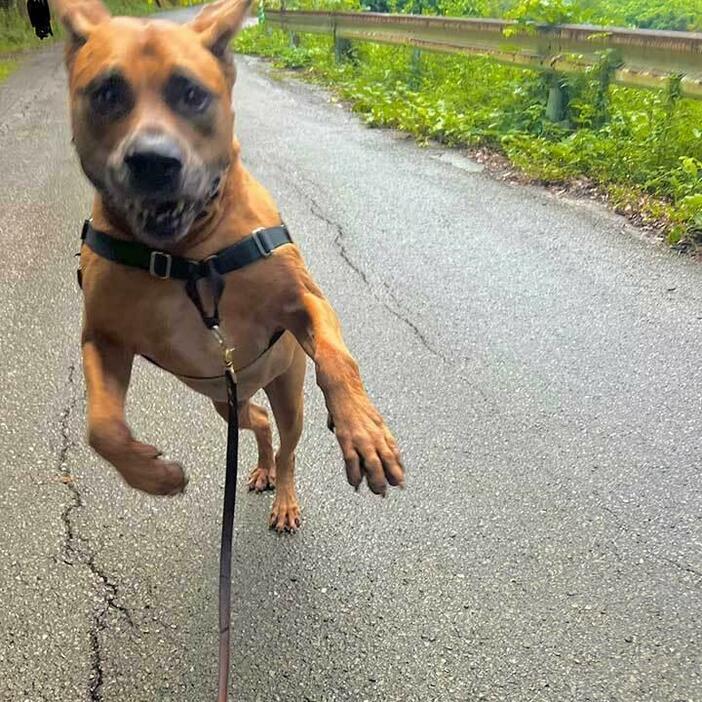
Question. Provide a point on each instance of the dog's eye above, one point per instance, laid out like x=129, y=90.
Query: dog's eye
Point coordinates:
x=196, y=98
x=186, y=96
x=111, y=97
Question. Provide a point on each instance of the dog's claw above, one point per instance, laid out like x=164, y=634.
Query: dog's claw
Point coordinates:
x=261, y=479
x=168, y=485
x=285, y=514
x=186, y=480
x=369, y=448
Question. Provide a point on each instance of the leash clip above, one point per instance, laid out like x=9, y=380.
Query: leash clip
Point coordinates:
x=227, y=351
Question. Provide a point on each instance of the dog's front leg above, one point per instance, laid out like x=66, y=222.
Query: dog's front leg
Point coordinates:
x=368, y=446
x=107, y=368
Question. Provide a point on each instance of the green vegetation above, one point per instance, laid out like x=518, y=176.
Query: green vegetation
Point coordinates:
x=642, y=149
x=6, y=67
x=649, y=14
x=16, y=33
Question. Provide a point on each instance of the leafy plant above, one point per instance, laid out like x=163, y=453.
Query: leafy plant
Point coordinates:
x=643, y=148
x=530, y=12
x=16, y=33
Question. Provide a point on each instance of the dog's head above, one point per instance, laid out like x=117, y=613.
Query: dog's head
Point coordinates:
x=151, y=110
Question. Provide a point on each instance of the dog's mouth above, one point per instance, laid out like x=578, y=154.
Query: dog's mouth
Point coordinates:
x=167, y=220
x=160, y=220
x=164, y=219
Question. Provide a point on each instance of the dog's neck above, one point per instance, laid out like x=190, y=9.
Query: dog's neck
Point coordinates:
x=223, y=220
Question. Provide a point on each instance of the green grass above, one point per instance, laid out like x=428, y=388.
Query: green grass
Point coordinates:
x=649, y=14
x=6, y=67
x=643, y=149
x=16, y=34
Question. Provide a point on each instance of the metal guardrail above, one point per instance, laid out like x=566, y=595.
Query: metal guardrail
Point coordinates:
x=644, y=58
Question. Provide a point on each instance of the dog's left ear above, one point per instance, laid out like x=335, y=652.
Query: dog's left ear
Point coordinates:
x=218, y=22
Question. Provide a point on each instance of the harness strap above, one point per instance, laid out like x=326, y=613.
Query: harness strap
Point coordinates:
x=258, y=245
x=216, y=283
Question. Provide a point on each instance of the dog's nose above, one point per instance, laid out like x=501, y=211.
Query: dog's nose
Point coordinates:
x=154, y=164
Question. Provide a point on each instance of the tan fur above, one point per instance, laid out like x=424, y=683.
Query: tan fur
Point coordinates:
x=128, y=312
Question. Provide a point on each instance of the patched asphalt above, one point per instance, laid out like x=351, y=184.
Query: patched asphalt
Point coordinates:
x=537, y=358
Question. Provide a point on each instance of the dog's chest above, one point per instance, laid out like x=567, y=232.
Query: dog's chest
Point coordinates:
x=157, y=319
x=180, y=343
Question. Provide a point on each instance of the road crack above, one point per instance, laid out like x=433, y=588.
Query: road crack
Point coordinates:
x=682, y=566
x=641, y=541
x=340, y=236
x=77, y=550
x=397, y=311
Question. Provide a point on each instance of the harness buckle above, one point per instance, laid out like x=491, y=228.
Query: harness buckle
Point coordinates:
x=263, y=244
x=158, y=269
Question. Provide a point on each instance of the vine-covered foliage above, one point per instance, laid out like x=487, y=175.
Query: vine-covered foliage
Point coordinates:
x=643, y=148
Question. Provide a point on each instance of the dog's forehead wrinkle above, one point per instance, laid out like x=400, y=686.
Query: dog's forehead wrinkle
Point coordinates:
x=182, y=71
x=158, y=37
x=124, y=35
x=110, y=73
x=133, y=41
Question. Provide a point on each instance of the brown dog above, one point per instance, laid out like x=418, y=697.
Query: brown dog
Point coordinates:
x=152, y=124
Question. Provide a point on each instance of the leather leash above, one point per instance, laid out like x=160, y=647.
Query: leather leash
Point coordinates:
x=258, y=245
x=228, y=508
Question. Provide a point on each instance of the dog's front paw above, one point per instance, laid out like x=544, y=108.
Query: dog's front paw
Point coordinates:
x=261, y=479
x=141, y=466
x=285, y=513
x=369, y=448
x=156, y=475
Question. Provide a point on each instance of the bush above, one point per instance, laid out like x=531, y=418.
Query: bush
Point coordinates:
x=641, y=147
x=16, y=33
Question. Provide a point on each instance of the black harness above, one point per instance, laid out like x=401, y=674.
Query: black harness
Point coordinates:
x=259, y=245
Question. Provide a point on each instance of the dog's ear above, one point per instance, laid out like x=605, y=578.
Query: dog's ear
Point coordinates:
x=218, y=22
x=79, y=17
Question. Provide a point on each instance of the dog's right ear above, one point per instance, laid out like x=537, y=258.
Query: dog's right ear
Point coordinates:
x=218, y=22
x=78, y=18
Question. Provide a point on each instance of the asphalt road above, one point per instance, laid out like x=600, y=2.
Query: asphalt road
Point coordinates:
x=538, y=360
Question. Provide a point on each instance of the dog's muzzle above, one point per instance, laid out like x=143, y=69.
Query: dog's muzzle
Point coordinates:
x=158, y=188
x=154, y=167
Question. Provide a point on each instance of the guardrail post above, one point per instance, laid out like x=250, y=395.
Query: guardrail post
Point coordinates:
x=673, y=94
x=343, y=49
x=609, y=62
x=415, y=70
x=261, y=16
x=557, y=105
x=293, y=37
